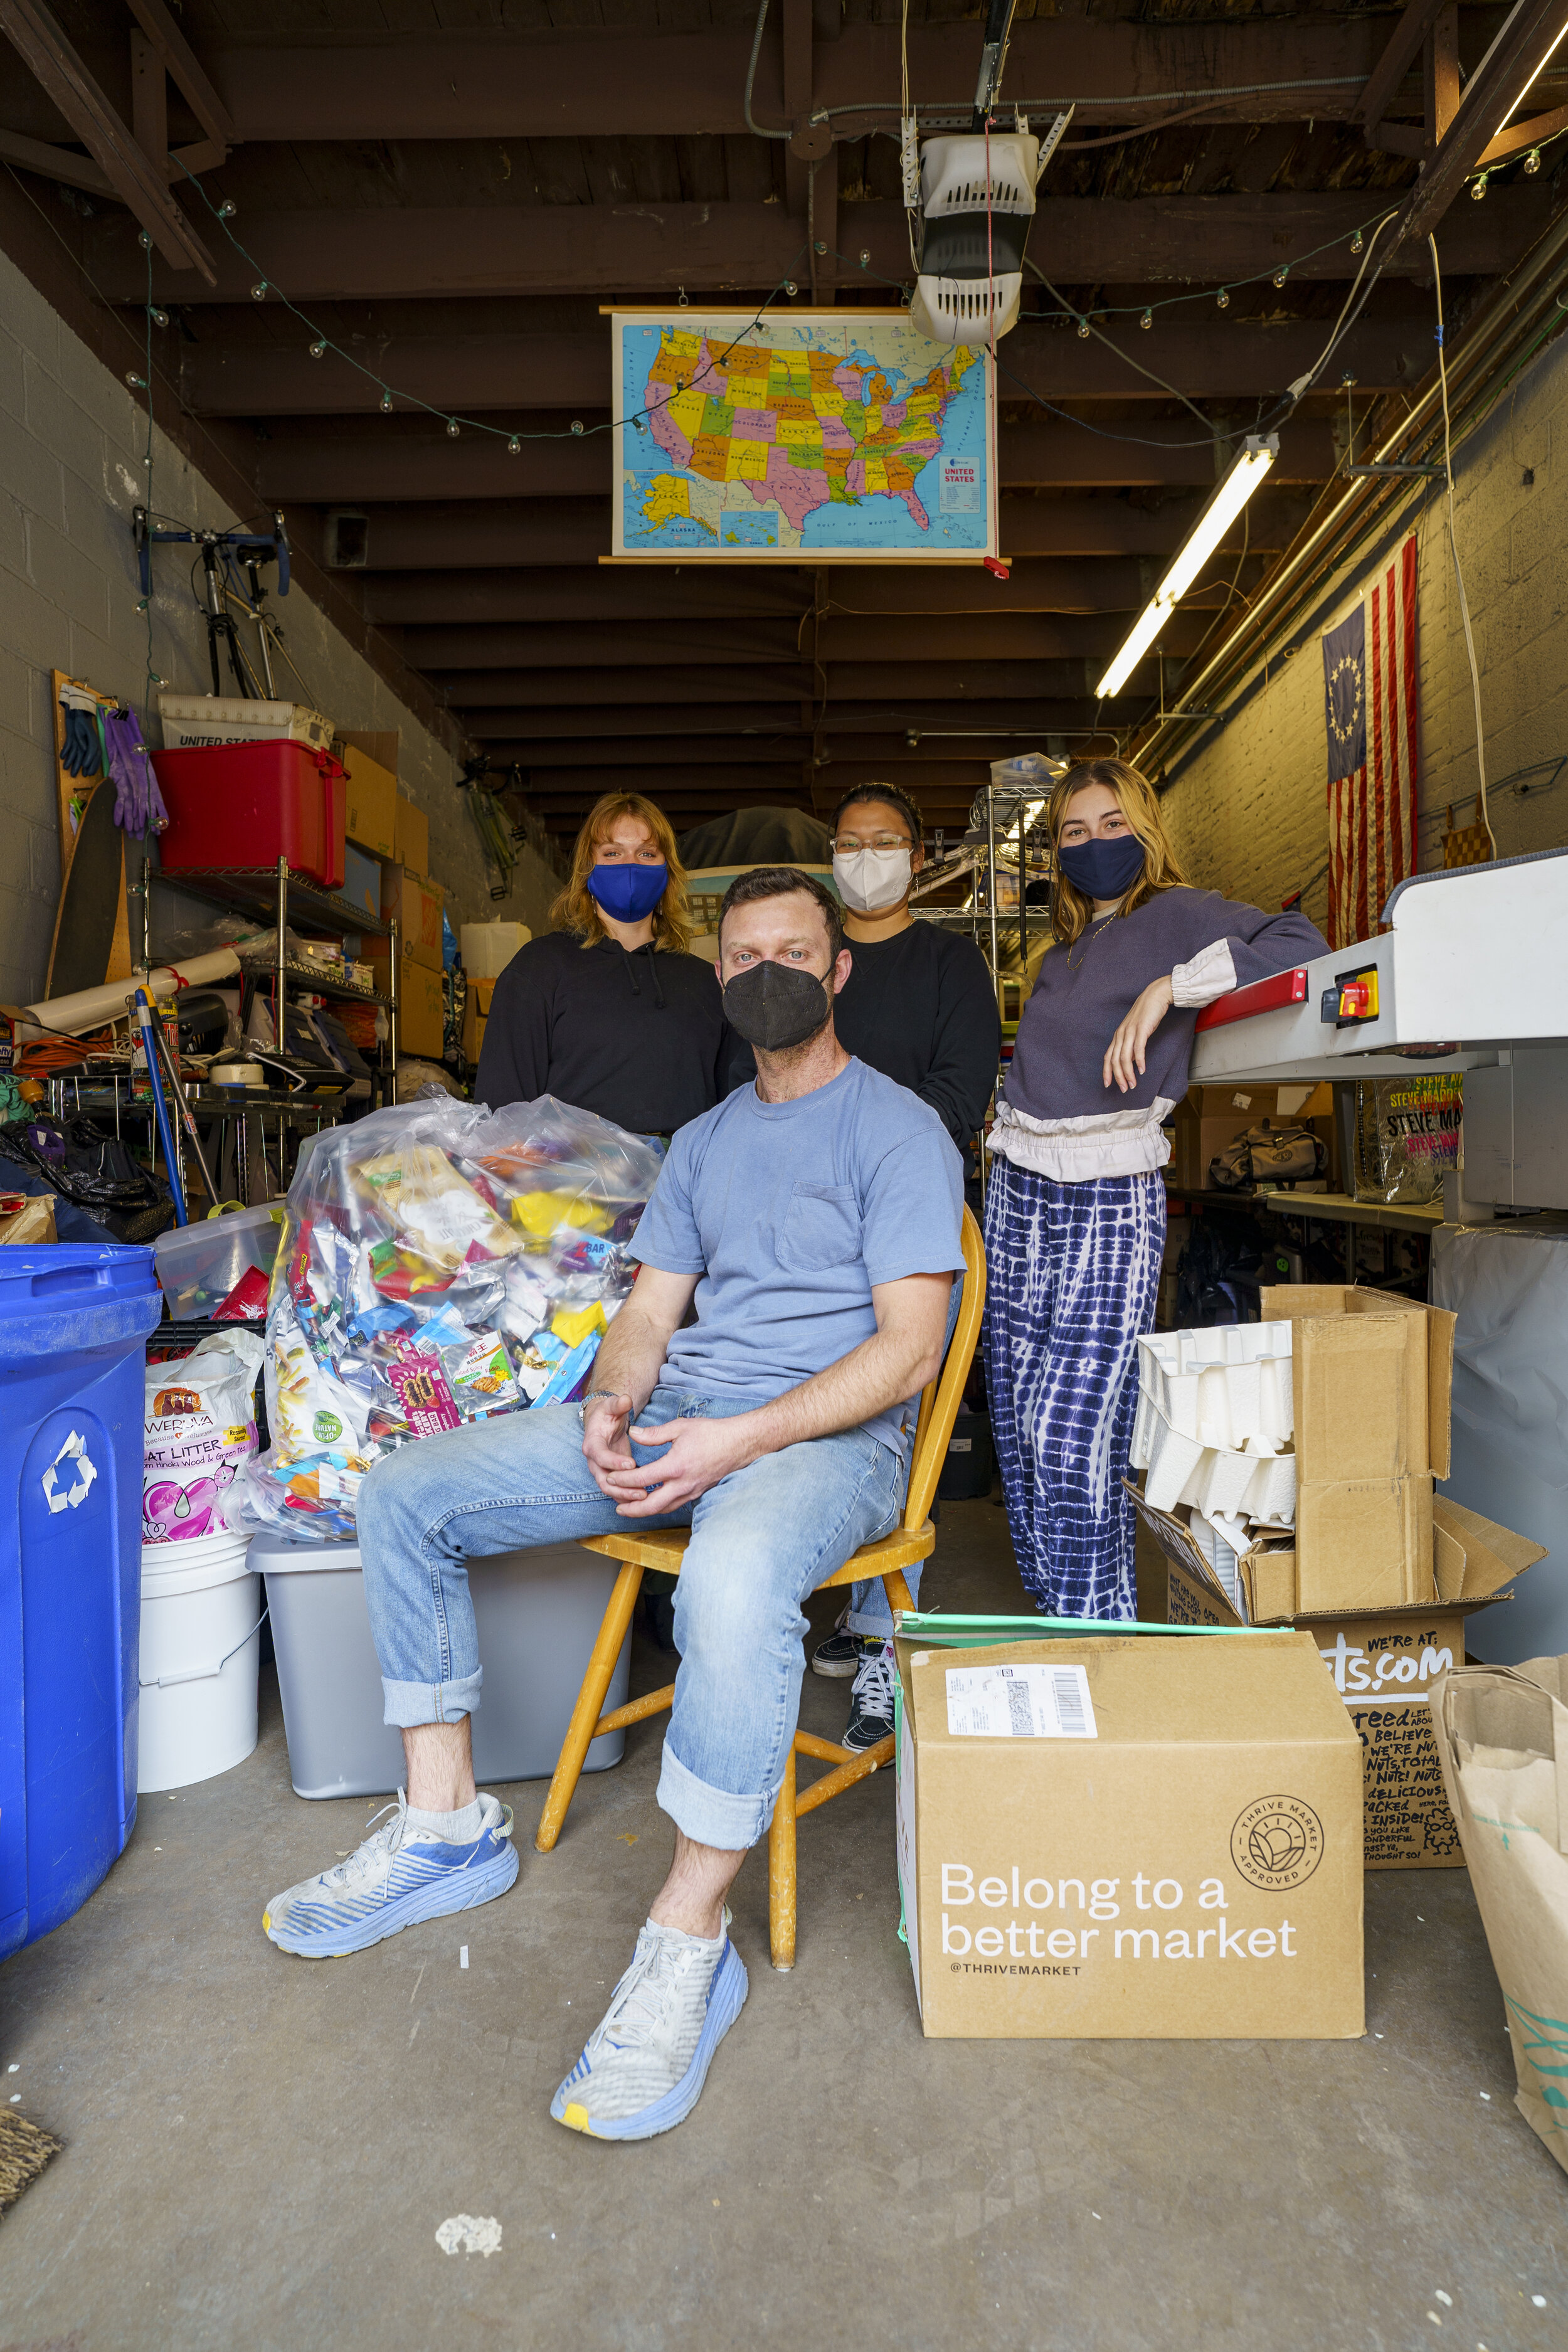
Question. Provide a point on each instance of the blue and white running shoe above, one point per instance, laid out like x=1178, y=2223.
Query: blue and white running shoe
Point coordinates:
x=400, y=1875
x=644, y=2066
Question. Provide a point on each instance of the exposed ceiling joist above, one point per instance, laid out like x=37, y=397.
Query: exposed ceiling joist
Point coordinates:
x=1512, y=67
x=131, y=173
x=339, y=254
x=456, y=658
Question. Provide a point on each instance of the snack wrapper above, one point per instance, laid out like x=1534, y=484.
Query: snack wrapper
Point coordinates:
x=440, y=1263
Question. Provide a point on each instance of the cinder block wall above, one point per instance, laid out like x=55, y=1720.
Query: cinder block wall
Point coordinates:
x=73, y=439
x=1250, y=815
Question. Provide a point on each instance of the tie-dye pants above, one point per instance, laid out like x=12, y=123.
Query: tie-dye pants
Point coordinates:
x=1074, y=1271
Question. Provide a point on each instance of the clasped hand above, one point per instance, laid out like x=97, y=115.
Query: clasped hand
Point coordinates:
x=1124, y=1056
x=695, y=1454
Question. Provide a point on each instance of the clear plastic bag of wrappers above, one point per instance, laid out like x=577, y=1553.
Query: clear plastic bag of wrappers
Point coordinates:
x=440, y=1263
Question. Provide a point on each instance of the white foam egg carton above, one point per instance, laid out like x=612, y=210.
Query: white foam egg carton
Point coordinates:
x=1255, y=1480
x=1223, y=1386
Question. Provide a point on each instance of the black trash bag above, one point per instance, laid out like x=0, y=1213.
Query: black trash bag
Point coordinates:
x=94, y=1173
x=1267, y=1154
x=1218, y=1273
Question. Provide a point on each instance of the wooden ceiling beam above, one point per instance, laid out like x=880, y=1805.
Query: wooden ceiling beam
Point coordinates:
x=1529, y=37
x=473, y=537
x=505, y=372
x=378, y=467
x=738, y=250
x=457, y=660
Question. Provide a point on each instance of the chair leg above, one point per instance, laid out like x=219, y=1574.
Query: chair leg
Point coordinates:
x=590, y=1702
x=781, y=1872
x=897, y=1590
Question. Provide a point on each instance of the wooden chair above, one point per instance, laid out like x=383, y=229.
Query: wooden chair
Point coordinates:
x=887, y=1557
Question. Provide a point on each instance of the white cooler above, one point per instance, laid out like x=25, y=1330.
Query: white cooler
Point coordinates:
x=537, y=1612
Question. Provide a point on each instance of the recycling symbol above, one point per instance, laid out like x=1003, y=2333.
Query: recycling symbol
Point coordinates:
x=74, y=1451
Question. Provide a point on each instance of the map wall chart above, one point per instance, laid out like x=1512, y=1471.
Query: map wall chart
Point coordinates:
x=831, y=436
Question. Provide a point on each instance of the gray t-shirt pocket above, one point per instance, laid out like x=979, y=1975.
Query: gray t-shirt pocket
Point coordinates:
x=821, y=1228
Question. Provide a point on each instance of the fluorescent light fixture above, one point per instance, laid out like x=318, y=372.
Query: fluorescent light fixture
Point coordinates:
x=1251, y=462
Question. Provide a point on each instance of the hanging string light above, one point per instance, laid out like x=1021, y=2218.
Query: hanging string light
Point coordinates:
x=1222, y=300
x=1147, y=320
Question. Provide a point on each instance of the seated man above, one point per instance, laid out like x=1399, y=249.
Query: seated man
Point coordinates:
x=814, y=1219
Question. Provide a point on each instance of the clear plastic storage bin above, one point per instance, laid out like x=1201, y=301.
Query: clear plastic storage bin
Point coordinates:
x=200, y=1265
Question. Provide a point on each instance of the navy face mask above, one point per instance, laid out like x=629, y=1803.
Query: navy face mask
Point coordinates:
x=1103, y=869
x=628, y=892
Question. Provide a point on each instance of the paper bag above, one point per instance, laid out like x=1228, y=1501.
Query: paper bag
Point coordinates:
x=1502, y=1740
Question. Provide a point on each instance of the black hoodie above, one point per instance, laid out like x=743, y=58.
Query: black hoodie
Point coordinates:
x=639, y=1037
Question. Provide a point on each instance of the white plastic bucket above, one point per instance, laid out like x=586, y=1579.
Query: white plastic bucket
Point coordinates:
x=201, y=1648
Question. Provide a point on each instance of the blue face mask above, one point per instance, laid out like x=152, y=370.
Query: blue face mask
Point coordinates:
x=1103, y=869
x=628, y=892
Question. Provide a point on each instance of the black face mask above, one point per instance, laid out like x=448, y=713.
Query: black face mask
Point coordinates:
x=774, y=1006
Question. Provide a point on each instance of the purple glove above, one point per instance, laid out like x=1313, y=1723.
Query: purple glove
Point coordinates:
x=138, y=803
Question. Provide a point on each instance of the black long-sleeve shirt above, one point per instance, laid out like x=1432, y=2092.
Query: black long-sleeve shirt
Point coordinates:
x=920, y=1007
x=640, y=1038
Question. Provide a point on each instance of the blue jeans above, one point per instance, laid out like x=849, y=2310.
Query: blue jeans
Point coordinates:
x=761, y=1540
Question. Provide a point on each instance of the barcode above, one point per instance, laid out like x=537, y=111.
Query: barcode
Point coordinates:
x=1020, y=1714
x=1069, y=1698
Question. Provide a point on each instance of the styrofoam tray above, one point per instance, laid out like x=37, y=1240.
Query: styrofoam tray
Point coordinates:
x=1252, y=1482
x=1222, y=1386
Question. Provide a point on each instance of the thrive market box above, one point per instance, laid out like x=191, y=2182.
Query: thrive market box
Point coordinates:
x=1131, y=1835
x=1382, y=1665
x=1372, y=1377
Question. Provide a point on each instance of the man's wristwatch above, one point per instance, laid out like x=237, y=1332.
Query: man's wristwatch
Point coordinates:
x=594, y=1397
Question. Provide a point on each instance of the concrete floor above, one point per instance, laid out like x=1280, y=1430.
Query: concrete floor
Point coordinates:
x=258, y=2151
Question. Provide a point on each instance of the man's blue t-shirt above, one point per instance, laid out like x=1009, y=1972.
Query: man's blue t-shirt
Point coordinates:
x=790, y=1212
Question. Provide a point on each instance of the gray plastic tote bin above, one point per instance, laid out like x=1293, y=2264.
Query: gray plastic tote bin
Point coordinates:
x=537, y=1612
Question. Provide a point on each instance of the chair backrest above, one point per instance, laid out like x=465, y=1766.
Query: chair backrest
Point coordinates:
x=940, y=1401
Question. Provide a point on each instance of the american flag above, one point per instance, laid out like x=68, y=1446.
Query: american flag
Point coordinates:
x=1370, y=698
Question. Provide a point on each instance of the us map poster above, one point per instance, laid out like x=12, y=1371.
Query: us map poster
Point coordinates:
x=834, y=437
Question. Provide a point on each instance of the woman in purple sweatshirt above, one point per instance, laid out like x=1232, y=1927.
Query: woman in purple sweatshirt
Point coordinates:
x=1075, y=1211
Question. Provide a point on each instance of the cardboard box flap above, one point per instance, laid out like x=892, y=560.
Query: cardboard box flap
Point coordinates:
x=1440, y=1325
x=1491, y=1554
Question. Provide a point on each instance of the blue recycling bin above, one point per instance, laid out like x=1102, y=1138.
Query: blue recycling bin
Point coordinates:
x=74, y=1320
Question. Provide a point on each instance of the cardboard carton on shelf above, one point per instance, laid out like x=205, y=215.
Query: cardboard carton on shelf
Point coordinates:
x=1174, y=1852
x=1384, y=1662
x=417, y=905
x=475, y=1013
x=421, y=998
x=370, y=761
x=411, y=836
x=1211, y=1117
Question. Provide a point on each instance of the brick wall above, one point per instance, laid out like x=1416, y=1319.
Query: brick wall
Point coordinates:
x=73, y=438
x=1249, y=816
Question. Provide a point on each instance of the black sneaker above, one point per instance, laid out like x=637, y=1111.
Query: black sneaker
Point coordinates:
x=871, y=1700
x=839, y=1656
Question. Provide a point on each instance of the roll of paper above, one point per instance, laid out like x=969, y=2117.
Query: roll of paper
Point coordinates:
x=90, y=1008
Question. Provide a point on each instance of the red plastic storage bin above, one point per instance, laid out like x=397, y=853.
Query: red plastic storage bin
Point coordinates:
x=252, y=804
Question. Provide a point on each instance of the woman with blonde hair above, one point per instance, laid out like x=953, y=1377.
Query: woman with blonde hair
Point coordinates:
x=610, y=1011
x=1074, y=1211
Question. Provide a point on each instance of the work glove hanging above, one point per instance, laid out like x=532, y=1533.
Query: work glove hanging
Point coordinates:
x=81, y=754
x=138, y=803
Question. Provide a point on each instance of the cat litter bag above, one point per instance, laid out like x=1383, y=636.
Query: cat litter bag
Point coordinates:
x=440, y=1263
x=200, y=1432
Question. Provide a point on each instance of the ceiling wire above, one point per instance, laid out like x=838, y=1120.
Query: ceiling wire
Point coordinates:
x=1120, y=354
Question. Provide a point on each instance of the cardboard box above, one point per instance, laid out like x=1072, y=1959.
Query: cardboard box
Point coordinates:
x=372, y=819
x=1182, y=1863
x=362, y=881
x=1213, y=1115
x=411, y=836
x=1385, y=1665
x=487, y=949
x=1372, y=1375
x=421, y=1000
x=475, y=1013
x=417, y=908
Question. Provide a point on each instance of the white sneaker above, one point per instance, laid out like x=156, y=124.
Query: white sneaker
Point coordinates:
x=644, y=2066
x=399, y=1876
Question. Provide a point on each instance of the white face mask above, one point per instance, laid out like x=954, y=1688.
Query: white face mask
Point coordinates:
x=873, y=879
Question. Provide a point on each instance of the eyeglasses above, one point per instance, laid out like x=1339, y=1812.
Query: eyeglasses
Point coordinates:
x=849, y=845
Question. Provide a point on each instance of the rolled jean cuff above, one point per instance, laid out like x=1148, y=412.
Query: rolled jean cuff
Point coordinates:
x=411, y=1705
x=869, y=1610
x=711, y=1816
